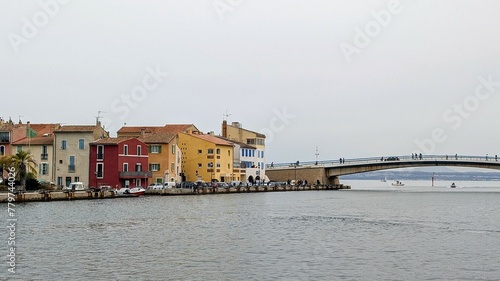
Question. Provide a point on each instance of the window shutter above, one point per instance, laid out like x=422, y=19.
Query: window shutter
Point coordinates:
x=150, y=167
x=159, y=149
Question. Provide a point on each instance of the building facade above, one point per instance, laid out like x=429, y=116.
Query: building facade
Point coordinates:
x=253, y=156
x=206, y=157
x=72, y=152
x=118, y=162
x=164, y=157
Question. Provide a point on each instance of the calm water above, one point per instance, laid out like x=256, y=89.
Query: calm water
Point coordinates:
x=372, y=232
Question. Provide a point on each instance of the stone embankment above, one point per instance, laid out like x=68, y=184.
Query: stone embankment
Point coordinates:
x=46, y=196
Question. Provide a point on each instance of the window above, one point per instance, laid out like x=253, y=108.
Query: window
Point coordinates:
x=2, y=149
x=155, y=149
x=59, y=181
x=242, y=152
x=218, y=165
x=172, y=167
x=138, y=167
x=100, y=152
x=210, y=151
x=218, y=150
x=125, y=149
x=262, y=154
x=44, y=155
x=228, y=152
x=199, y=165
x=99, y=170
x=4, y=137
x=155, y=167
x=81, y=144
x=139, y=150
x=19, y=148
x=173, y=148
x=125, y=167
x=63, y=144
x=71, y=165
x=44, y=169
x=199, y=151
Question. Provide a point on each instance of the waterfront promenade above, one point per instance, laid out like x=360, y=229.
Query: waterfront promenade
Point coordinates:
x=46, y=196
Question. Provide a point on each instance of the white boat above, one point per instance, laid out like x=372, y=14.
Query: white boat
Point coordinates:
x=384, y=179
x=398, y=183
x=130, y=192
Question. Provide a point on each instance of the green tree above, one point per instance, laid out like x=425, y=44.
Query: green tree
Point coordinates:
x=5, y=162
x=24, y=163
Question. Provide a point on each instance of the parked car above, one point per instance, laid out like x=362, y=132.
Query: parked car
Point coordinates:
x=75, y=186
x=155, y=186
x=236, y=183
x=169, y=184
x=222, y=185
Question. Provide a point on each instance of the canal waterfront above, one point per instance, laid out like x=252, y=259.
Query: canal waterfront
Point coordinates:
x=373, y=232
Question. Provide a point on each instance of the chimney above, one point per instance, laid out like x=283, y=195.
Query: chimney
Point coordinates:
x=224, y=129
x=143, y=130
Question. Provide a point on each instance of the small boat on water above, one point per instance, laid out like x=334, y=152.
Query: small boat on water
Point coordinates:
x=130, y=192
x=384, y=179
x=453, y=185
x=398, y=183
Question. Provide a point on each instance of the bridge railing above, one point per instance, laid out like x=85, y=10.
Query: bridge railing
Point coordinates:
x=414, y=157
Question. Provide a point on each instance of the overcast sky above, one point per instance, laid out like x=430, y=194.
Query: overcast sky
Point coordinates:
x=353, y=78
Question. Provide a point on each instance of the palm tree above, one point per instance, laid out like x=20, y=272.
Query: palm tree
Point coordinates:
x=24, y=163
x=4, y=165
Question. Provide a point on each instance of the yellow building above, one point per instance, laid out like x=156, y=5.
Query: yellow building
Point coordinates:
x=206, y=157
x=164, y=151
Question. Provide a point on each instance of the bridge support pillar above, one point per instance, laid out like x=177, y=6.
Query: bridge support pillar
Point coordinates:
x=332, y=181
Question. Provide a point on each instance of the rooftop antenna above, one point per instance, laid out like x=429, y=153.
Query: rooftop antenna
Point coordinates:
x=226, y=115
x=98, y=116
x=20, y=118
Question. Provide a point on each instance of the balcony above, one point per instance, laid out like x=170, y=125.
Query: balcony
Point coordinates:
x=135, y=175
x=71, y=168
x=44, y=156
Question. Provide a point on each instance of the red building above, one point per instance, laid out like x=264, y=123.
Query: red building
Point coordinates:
x=118, y=162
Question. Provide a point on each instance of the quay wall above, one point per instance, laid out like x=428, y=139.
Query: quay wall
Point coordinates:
x=87, y=195
x=309, y=173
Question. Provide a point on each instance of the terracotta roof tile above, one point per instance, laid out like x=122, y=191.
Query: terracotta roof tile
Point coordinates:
x=169, y=128
x=213, y=139
x=157, y=137
x=49, y=140
x=111, y=141
x=77, y=128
